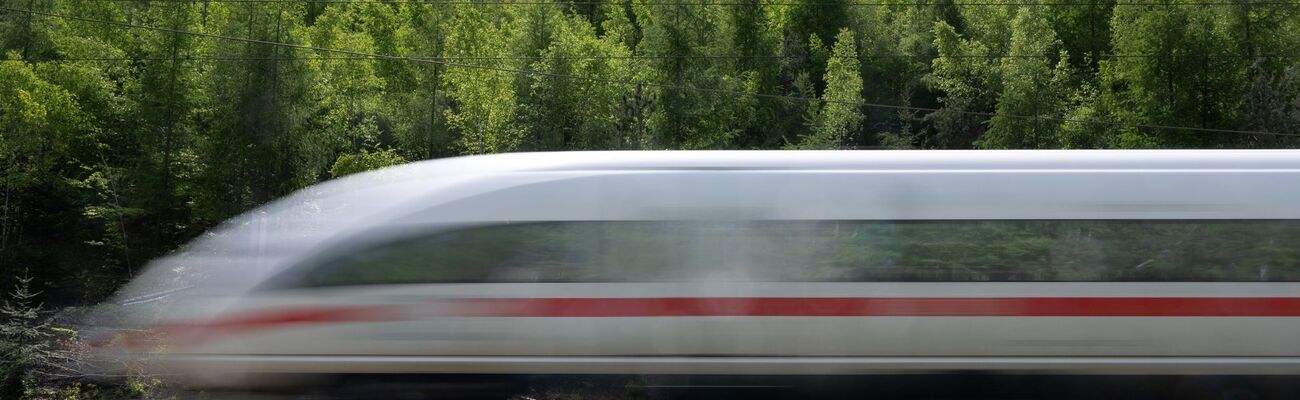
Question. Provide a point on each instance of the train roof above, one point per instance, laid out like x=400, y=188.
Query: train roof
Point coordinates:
x=879, y=159
x=1056, y=184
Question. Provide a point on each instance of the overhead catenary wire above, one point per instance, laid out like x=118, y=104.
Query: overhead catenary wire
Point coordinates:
x=748, y=4
x=645, y=84
x=652, y=57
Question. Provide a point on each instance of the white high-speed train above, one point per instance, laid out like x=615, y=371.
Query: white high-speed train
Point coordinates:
x=747, y=262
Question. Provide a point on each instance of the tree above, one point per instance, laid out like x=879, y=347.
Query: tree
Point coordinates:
x=421, y=129
x=799, y=61
x=817, y=20
x=164, y=100
x=698, y=106
x=967, y=76
x=840, y=115
x=1032, y=87
x=482, y=113
x=256, y=112
x=1273, y=105
x=23, y=340
x=349, y=93
x=897, y=44
x=748, y=33
x=1082, y=31
x=567, y=113
x=1191, y=73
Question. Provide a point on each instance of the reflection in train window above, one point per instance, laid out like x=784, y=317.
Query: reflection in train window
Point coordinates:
x=825, y=251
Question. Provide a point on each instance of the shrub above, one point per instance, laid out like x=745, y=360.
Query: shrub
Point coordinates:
x=24, y=340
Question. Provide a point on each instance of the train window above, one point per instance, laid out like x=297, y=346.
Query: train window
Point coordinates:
x=819, y=251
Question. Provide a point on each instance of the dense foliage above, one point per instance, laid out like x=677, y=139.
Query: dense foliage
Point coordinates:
x=129, y=126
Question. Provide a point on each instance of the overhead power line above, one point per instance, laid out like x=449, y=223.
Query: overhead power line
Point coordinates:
x=646, y=57
x=645, y=84
x=747, y=4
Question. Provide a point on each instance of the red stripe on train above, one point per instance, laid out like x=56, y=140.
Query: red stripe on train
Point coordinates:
x=195, y=332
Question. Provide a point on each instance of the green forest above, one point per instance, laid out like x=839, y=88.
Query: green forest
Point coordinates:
x=132, y=126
